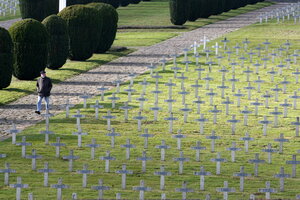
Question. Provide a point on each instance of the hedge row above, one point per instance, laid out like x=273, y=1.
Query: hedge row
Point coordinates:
x=40, y=9
x=78, y=31
x=190, y=10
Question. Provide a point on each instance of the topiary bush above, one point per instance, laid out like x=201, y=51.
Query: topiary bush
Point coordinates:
x=59, y=41
x=178, y=11
x=84, y=26
x=135, y=1
x=30, y=39
x=194, y=6
x=114, y=3
x=110, y=24
x=38, y=9
x=124, y=3
x=204, y=10
x=6, y=58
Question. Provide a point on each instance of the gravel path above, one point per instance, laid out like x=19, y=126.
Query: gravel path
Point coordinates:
x=21, y=112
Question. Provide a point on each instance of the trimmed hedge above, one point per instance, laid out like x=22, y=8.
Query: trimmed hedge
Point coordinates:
x=194, y=6
x=30, y=39
x=6, y=58
x=124, y=3
x=110, y=24
x=114, y=3
x=38, y=9
x=178, y=11
x=83, y=24
x=59, y=41
x=135, y=1
x=204, y=11
x=181, y=10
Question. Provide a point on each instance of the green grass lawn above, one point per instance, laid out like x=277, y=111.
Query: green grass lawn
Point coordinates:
x=63, y=128
x=152, y=13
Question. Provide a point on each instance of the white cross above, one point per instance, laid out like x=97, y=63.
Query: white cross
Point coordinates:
x=217, y=48
x=205, y=40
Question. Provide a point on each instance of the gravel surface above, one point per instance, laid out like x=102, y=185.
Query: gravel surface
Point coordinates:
x=21, y=112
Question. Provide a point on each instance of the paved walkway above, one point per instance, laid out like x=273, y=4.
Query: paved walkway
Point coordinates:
x=21, y=112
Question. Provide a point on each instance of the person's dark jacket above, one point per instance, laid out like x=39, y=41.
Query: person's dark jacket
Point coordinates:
x=44, y=86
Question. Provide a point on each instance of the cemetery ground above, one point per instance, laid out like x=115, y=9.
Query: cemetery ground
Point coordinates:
x=153, y=14
x=236, y=77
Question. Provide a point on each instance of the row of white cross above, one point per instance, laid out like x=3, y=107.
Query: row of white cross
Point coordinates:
x=283, y=13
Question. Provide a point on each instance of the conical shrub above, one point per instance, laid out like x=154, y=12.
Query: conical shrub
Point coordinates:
x=124, y=3
x=59, y=41
x=6, y=58
x=84, y=26
x=30, y=39
x=178, y=11
x=194, y=6
x=110, y=19
x=204, y=9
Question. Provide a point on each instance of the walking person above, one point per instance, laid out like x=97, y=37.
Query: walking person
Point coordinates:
x=43, y=86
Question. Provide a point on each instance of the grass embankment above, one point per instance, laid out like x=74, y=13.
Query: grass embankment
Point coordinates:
x=154, y=13
x=62, y=127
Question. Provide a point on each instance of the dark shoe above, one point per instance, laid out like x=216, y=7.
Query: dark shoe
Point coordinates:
x=38, y=112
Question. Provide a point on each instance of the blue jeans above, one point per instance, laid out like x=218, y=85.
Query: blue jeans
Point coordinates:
x=39, y=103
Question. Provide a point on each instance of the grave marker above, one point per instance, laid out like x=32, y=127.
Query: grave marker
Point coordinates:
x=162, y=148
x=18, y=187
x=6, y=172
x=57, y=146
x=14, y=131
x=78, y=116
x=142, y=189
x=281, y=140
x=102, y=90
x=242, y=176
x=218, y=162
x=267, y=190
x=23, y=144
x=33, y=158
x=128, y=146
x=202, y=173
x=233, y=149
x=246, y=140
x=184, y=190
x=294, y=162
x=84, y=173
x=107, y=159
x=108, y=118
x=198, y=148
x=100, y=187
x=46, y=172
x=225, y=190
x=146, y=135
x=113, y=134
x=181, y=160
x=71, y=159
x=85, y=97
x=281, y=177
x=162, y=173
x=269, y=150
x=144, y=160
x=256, y=162
x=59, y=186
x=113, y=99
x=93, y=146
x=97, y=107
x=124, y=172
x=179, y=136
